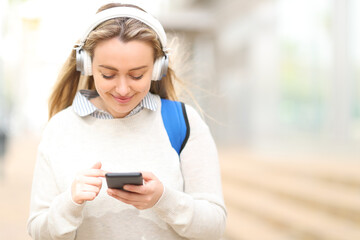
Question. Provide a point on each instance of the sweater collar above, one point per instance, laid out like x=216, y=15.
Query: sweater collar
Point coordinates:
x=83, y=107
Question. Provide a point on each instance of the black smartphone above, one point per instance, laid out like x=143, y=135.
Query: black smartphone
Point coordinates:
x=118, y=180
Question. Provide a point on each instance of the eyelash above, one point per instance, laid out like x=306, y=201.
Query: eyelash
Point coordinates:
x=110, y=77
x=137, y=78
x=107, y=77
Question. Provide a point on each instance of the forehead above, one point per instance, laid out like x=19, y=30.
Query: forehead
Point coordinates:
x=116, y=52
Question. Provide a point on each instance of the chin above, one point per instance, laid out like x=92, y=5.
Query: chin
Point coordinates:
x=123, y=110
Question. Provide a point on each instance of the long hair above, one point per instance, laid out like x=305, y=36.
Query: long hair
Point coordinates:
x=125, y=29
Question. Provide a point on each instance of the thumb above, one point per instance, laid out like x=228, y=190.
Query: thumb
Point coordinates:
x=97, y=165
x=148, y=176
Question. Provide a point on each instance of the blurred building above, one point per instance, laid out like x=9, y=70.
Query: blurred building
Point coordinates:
x=279, y=75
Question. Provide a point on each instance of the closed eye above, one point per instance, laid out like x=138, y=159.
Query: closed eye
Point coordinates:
x=107, y=76
x=137, y=77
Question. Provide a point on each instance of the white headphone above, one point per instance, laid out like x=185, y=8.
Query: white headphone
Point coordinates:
x=83, y=59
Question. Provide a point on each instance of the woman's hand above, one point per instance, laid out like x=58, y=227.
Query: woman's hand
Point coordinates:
x=143, y=196
x=87, y=184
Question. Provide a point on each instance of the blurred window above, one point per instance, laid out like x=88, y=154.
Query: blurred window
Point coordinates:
x=305, y=62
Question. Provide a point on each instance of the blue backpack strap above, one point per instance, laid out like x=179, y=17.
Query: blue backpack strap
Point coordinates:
x=176, y=123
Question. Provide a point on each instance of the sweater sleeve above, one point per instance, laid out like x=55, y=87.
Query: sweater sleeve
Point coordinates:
x=199, y=212
x=53, y=214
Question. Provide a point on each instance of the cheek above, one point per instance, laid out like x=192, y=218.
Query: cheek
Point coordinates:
x=143, y=86
x=103, y=85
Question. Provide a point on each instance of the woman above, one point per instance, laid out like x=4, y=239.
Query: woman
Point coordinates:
x=114, y=124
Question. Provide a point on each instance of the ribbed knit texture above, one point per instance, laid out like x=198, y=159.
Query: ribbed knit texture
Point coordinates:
x=191, y=206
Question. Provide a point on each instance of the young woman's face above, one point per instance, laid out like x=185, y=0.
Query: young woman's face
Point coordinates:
x=122, y=74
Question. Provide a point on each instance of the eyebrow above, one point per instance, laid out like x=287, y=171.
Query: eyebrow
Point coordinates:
x=114, y=69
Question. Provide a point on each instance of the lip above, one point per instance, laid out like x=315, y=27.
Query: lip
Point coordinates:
x=122, y=99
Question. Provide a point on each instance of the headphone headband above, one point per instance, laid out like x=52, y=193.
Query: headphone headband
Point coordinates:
x=130, y=12
x=83, y=59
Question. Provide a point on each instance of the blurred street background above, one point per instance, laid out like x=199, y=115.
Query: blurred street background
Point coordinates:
x=278, y=82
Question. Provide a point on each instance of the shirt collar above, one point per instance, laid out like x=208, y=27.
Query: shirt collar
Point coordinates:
x=83, y=107
x=82, y=104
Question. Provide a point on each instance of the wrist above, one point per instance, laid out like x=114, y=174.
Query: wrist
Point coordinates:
x=160, y=195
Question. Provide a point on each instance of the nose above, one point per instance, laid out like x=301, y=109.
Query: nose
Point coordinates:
x=122, y=87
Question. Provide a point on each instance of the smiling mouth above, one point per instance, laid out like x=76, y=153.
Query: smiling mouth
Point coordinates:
x=122, y=99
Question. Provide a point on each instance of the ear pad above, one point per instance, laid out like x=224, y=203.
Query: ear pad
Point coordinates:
x=156, y=69
x=160, y=68
x=87, y=64
x=83, y=62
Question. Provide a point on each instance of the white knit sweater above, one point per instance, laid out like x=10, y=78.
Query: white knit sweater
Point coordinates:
x=191, y=206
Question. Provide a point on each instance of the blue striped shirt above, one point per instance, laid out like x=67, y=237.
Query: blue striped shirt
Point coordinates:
x=83, y=107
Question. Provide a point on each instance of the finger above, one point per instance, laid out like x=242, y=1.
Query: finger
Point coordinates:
x=97, y=165
x=94, y=173
x=140, y=189
x=87, y=196
x=134, y=197
x=139, y=206
x=118, y=193
x=115, y=194
x=122, y=198
x=92, y=181
x=147, y=176
x=90, y=188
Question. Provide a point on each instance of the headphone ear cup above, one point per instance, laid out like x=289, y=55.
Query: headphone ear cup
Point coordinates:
x=87, y=64
x=160, y=68
x=83, y=62
x=156, y=70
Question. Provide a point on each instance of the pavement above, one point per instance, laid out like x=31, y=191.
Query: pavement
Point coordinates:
x=15, y=187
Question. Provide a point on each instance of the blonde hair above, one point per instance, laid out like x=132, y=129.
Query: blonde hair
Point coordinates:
x=126, y=29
